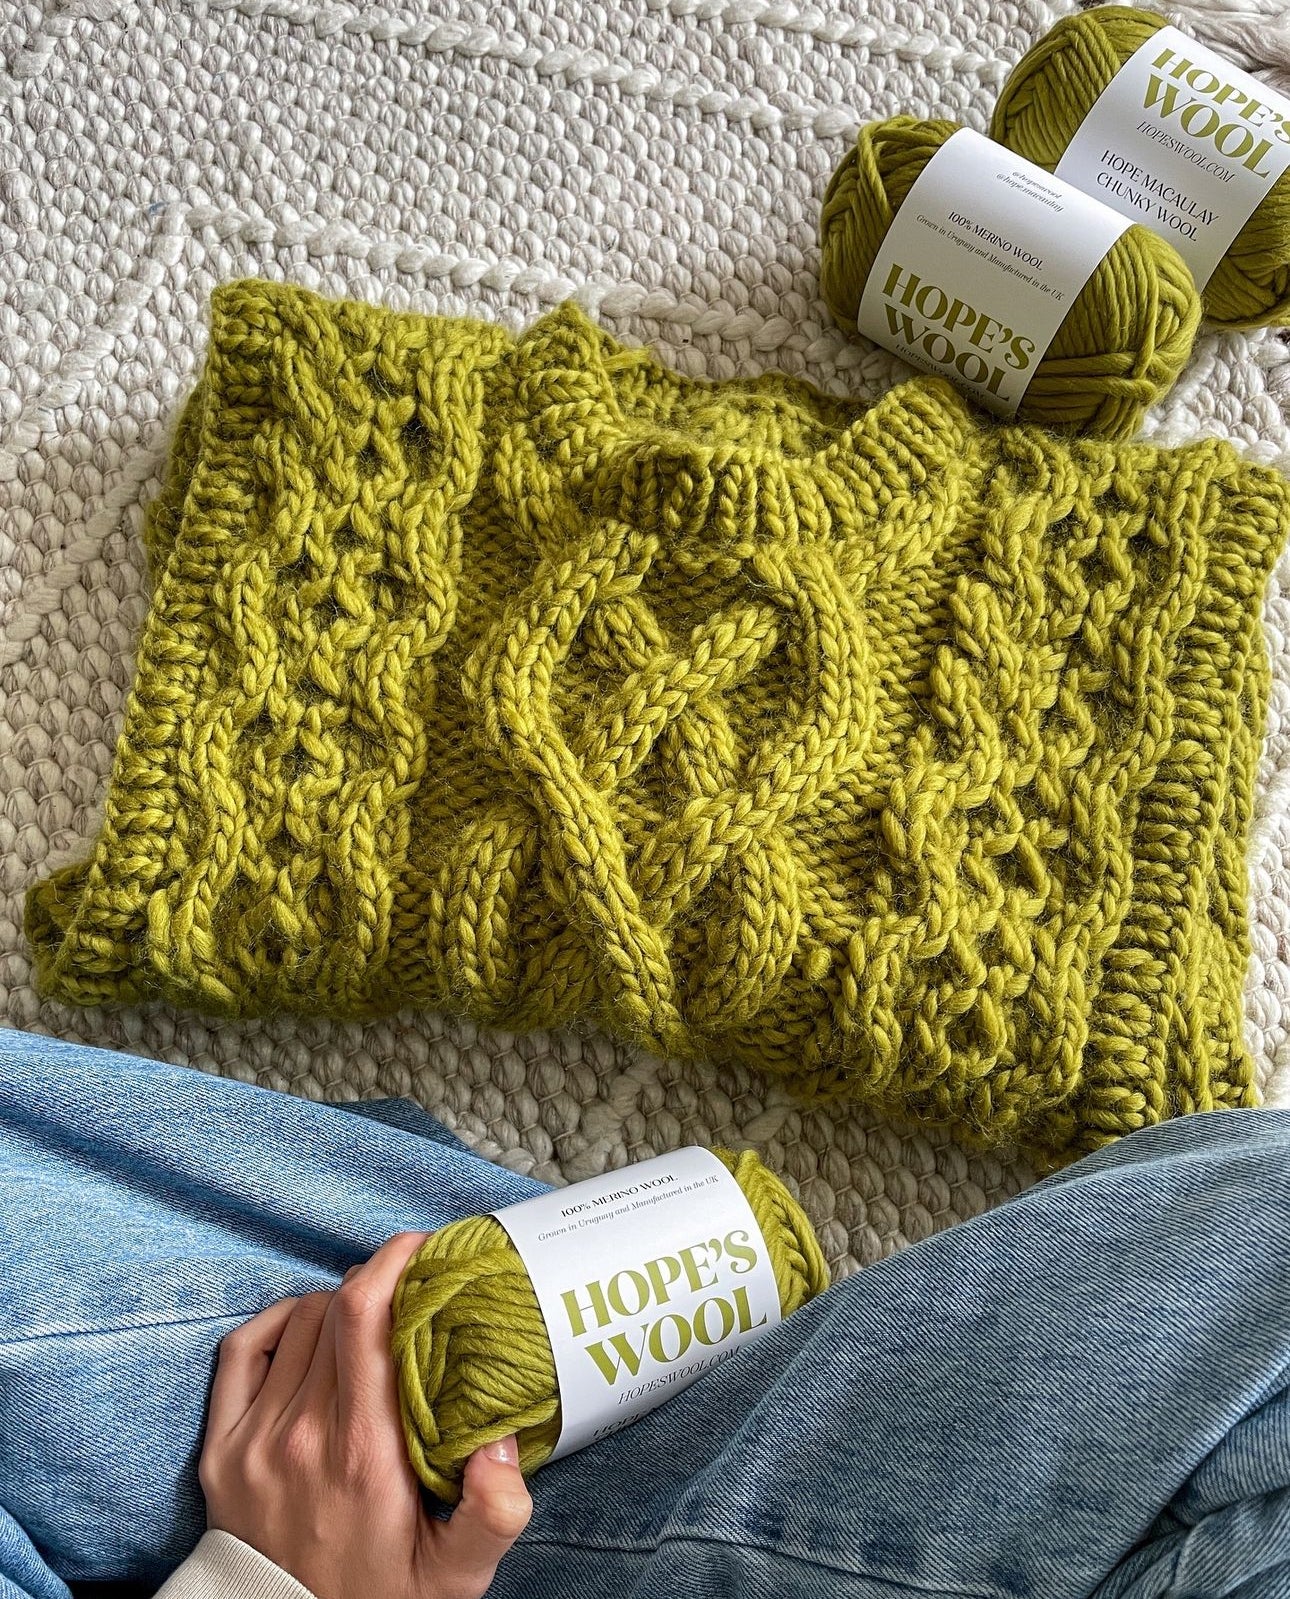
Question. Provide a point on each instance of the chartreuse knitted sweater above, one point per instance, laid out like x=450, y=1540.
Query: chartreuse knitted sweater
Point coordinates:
x=903, y=754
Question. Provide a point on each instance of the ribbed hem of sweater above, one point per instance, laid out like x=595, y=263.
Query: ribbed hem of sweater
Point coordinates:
x=223, y=1567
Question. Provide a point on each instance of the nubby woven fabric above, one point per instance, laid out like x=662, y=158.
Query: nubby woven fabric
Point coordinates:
x=661, y=161
x=876, y=746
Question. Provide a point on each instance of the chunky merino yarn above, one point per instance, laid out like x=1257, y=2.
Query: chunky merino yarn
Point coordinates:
x=1121, y=345
x=1048, y=95
x=901, y=753
x=471, y=1351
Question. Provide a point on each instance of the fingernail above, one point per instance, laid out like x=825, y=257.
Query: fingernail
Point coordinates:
x=504, y=1449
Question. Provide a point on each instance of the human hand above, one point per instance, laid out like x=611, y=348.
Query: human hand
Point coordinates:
x=304, y=1456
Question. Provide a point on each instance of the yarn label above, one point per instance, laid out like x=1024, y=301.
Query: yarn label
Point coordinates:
x=646, y=1277
x=1185, y=143
x=980, y=266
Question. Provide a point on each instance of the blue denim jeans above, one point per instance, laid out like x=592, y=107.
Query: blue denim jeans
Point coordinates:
x=1083, y=1392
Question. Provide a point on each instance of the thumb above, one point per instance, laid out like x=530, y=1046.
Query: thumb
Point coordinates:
x=493, y=1511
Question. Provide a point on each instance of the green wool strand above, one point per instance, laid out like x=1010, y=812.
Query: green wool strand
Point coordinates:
x=1051, y=91
x=470, y=1347
x=1123, y=342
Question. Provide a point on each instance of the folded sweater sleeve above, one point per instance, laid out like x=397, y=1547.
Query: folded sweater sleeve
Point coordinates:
x=223, y=1567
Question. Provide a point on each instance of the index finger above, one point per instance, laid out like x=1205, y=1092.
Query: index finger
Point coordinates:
x=245, y=1356
x=364, y=1367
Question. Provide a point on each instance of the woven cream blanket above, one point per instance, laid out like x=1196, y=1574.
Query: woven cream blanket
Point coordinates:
x=662, y=161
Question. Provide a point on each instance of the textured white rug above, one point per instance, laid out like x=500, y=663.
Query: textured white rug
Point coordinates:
x=662, y=161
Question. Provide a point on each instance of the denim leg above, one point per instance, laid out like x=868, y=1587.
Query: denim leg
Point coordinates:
x=1082, y=1391
x=404, y=1113
x=23, y=1574
x=146, y=1210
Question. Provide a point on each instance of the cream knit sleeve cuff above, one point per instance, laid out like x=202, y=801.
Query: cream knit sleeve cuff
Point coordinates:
x=223, y=1567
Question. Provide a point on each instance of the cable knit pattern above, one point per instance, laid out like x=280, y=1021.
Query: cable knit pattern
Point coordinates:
x=664, y=162
x=903, y=755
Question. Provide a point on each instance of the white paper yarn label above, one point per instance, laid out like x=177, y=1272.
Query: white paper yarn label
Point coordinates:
x=646, y=1277
x=1183, y=142
x=980, y=266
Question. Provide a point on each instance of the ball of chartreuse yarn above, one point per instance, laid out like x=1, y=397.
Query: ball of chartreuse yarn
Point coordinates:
x=1121, y=345
x=1050, y=92
x=470, y=1346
